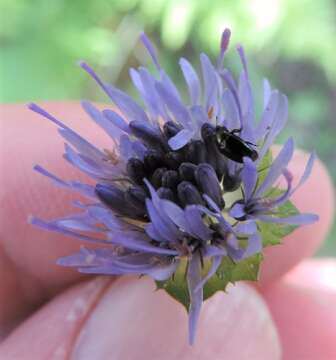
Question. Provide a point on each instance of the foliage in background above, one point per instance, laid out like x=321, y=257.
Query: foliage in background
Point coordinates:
x=292, y=42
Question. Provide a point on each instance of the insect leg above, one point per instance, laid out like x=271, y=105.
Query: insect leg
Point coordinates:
x=236, y=131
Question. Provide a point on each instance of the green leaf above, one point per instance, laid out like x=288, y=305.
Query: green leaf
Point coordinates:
x=177, y=286
x=228, y=272
x=231, y=272
x=272, y=234
x=264, y=166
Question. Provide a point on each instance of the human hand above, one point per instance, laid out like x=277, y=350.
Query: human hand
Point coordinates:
x=52, y=312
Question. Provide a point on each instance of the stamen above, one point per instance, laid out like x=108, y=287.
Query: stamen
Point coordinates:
x=170, y=179
x=188, y=194
x=223, y=47
x=136, y=170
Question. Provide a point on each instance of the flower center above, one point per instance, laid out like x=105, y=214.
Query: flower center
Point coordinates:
x=182, y=176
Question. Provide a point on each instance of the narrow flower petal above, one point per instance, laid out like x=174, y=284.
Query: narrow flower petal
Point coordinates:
x=280, y=163
x=254, y=245
x=237, y=211
x=139, y=242
x=249, y=177
x=174, y=105
x=126, y=104
x=195, y=223
x=307, y=172
x=216, y=261
x=279, y=121
x=210, y=84
x=246, y=227
x=196, y=297
x=150, y=48
x=53, y=226
x=301, y=219
x=192, y=80
x=116, y=120
x=180, y=139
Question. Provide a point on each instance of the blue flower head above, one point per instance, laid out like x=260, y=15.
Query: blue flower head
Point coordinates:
x=181, y=182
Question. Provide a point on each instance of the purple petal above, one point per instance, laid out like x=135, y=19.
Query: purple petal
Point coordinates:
x=153, y=233
x=168, y=84
x=85, y=257
x=106, y=217
x=99, y=119
x=126, y=146
x=277, y=167
x=211, y=251
x=180, y=139
x=249, y=177
x=237, y=211
x=268, y=115
x=195, y=223
x=192, y=80
x=95, y=77
x=56, y=180
x=216, y=261
x=231, y=111
x=175, y=214
x=307, y=171
x=198, y=115
x=34, y=107
x=82, y=145
x=301, y=219
x=77, y=223
x=162, y=224
x=210, y=84
x=139, y=149
x=53, y=226
x=196, y=297
x=242, y=56
x=279, y=121
x=211, y=204
x=174, y=105
x=150, y=48
x=145, y=84
x=138, y=242
x=254, y=245
x=116, y=120
x=246, y=227
x=246, y=99
x=127, y=105
x=286, y=194
x=232, y=242
x=161, y=273
x=230, y=82
x=84, y=189
x=267, y=92
x=76, y=160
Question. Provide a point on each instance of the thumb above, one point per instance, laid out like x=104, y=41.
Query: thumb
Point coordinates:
x=127, y=319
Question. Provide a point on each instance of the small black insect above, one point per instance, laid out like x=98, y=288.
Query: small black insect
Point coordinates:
x=233, y=146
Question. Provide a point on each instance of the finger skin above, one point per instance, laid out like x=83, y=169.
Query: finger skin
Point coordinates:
x=51, y=332
x=303, y=307
x=28, y=273
x=130, y=320
x=315, y=196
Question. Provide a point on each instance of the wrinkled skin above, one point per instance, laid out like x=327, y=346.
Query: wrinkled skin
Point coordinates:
x=49, y=312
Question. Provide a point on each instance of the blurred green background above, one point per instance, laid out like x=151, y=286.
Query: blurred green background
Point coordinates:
x=291, y=42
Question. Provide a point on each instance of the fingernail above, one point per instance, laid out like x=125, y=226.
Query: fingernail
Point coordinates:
x=133, y=321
